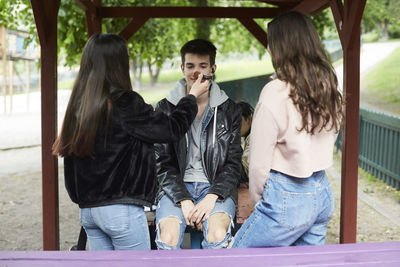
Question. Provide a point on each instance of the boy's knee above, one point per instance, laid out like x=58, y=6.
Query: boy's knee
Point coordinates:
x=169, y=231
x=218, y=226
x=216, y=235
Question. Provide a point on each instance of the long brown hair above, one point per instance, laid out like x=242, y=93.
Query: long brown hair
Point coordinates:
x=104, y=64
x=300, y=60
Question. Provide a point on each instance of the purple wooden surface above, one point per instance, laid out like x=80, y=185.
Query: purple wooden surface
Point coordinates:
x=362, y=254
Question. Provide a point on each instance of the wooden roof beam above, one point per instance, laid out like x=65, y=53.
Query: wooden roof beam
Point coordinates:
x=311, y=7
x=256, y=30
x=92, y=10
x=285, y=4
x=87, y=6
x=189, y=12
x=337, y=11
x=132, y=27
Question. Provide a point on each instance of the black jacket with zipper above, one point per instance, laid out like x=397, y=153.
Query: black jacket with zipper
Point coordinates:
x=222, y=161
x=122, y=169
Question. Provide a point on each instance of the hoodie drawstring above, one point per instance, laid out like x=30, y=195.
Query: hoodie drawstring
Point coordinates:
x=215, y=125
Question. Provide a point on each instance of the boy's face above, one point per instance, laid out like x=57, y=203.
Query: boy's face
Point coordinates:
x=193, y=63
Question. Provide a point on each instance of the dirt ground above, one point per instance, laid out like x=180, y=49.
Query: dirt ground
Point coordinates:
x=378, y=210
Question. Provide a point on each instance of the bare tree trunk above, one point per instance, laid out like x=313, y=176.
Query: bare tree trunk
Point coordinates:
x=385, y=32
x=202, y=25
x=385, y=24
x=4, y=60
x=153, y=76
x=137, y=74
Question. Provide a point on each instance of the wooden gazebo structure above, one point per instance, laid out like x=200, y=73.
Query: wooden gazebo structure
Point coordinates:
x=347, y=16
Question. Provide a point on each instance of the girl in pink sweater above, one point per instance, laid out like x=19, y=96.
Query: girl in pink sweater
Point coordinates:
x=294, y=128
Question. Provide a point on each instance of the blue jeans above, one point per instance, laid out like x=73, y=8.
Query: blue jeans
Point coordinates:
x=292, y=211
x=167, y=208
x=116, y=227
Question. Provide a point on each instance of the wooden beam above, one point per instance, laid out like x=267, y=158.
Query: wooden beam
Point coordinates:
x=310, y=7
x=337, y=12
x=351, y=88
x=11, y=83
x=93, y=15
x=39, y=15
x=132, y=27
x=45, y=14
x=4, y=63
x=189, y=12
x=286, y=4
x=87, y=6
x=352, y=16
x=256, y=30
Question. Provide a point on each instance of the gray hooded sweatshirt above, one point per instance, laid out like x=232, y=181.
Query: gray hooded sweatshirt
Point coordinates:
x=194, y=171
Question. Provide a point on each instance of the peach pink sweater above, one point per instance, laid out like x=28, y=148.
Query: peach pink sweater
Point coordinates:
x=277, y=144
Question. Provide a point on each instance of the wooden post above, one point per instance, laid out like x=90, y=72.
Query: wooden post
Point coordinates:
x=4, y=60
x=28, y=83
x=348, y=19
x=45, y=13
x=11, y=84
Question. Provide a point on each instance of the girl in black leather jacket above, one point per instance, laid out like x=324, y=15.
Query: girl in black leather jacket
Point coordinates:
x=107, y=143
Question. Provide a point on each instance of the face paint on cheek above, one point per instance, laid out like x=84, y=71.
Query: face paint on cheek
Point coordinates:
x=205, y=77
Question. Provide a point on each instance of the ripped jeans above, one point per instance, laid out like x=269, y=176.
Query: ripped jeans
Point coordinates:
x=167, y=208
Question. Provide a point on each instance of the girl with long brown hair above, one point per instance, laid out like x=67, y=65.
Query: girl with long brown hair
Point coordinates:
x=107, y=143
x=294, y=128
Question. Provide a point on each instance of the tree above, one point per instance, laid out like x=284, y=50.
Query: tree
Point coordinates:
x=156, y=41
x=382, y=16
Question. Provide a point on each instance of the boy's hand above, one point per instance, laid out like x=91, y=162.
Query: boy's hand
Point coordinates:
x=187, y=206
x=201, y=211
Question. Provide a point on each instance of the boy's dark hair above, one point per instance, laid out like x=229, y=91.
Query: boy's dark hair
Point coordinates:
x=199, y=47
x=247, y=109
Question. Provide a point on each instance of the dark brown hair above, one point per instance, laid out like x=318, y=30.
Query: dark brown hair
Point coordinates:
x=300, y=60
x=199, y=47
x=104, y=64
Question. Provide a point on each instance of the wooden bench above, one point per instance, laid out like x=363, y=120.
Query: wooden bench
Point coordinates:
x=361, y=254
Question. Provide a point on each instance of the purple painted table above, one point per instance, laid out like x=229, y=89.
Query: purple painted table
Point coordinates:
x=362, y=254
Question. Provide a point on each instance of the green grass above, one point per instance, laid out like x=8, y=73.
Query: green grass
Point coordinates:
x=369, y=183
x=384, y=80
x=153, y=96
x=370, y=37
x=378, y=185
x=225, y=71
x=67, y=84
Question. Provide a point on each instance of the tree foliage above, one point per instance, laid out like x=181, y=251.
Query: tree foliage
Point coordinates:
x=156, y=41
x=382, y=16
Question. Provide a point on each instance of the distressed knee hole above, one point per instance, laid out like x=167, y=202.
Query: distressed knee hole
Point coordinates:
x=169, y=230
x=218, y=226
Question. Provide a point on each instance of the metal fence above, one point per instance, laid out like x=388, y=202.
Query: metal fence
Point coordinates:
x=379, y=146
x=247, y=89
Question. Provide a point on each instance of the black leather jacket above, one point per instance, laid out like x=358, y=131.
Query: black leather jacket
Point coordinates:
x=121, y=170
x=222, y=162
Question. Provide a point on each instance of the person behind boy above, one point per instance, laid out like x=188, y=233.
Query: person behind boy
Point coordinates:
x=198, y=175
x=247, y=116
